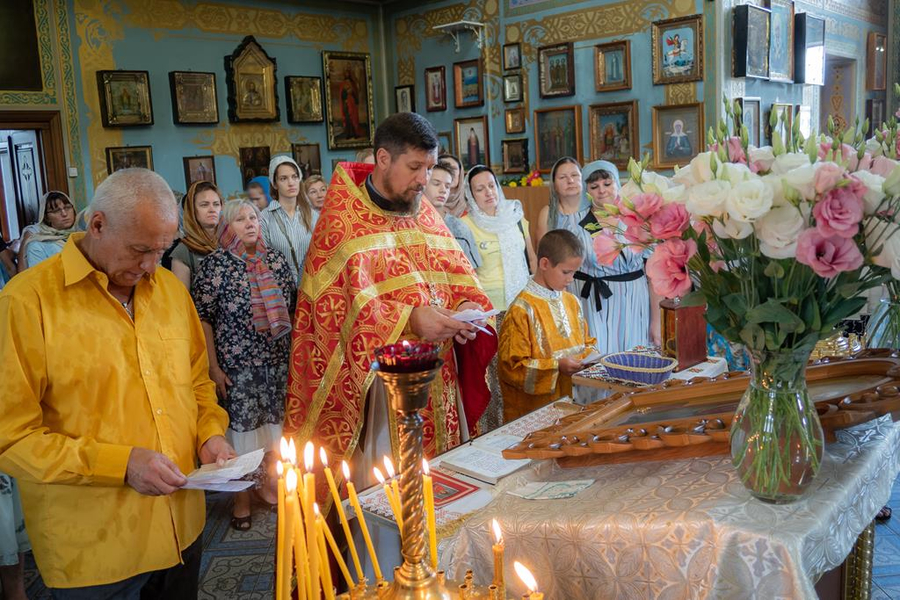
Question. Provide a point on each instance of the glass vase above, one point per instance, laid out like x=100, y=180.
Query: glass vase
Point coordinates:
x=883, y=329
x=776, y=438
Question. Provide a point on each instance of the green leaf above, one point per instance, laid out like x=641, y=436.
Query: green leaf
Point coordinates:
x=774, y=269
x=753, y=336
x=736, y=303
x=843, y=310
x=772, y=311
x=810, y=313
x=695, y=298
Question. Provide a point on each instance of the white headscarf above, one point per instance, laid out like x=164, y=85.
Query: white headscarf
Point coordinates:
x=278, y=161
x=505, y=225
x=41, y=232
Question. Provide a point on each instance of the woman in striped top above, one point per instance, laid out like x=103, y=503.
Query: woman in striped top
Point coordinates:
x=288, y=222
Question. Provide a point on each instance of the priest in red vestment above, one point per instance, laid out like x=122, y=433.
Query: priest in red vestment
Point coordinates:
x=382, y=267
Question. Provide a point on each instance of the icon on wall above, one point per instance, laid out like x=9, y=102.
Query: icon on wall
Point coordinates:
x=612, y=66
x=254, y=162
x=614, y=132
x=405, y=98
x=468, y=87
x=124, y=98
x=199, y=168
x=129, y=157
x=472, y=145
x=556, y=70
x=512, y=56
x=304, y=99
x=435, y=89
x=557, y=133
x=515, y=156
x=252, y=86
x=678, y=134
x=194, y=100
x=349, y=114
x=308, y=157
x=781, y=40
x=677, y=50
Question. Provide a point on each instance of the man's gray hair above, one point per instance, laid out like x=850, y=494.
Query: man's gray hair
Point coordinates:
x=123, y=191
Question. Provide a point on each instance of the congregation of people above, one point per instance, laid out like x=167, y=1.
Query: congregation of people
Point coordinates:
x=261, y=323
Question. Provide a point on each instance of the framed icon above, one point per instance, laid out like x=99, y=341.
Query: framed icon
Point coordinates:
x=803, y=116
x=751, y=111
x=445, y=142
x=515, y=155
x=254, y=162
x=750, y=54
x=785, y=114
x=472, y=143
x=515, y=120
x=468, y=87
x=128, y=157
x=614, y=132
x=308, y=158
x=557, y=133
x=349, y=110
x=199, y=168
x=512, y=88
x=125, y=98
x=304, y=99
x=194, y=100
x=781, y=40
x=875, y=114
x=435, y=89
x=678, y=134
x=252, y=85
x=512, y=56
x=809, y=49
x=677, y=50
x=405, y=98
x=876, y=61
x=556, y=70
x=612, y=66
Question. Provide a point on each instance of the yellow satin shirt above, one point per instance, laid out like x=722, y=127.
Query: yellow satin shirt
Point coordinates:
x=80, y=386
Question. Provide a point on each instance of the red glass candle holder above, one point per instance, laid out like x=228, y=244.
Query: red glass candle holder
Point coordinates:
x=407, y=357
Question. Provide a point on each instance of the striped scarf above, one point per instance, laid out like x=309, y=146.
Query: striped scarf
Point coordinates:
x=267, y=305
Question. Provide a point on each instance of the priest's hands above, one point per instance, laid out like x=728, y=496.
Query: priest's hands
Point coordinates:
x=216, y=450
x=569, y=365
x=153, y=474
x=434, y=324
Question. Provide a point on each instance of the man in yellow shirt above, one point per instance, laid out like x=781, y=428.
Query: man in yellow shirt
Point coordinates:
x=107, y=402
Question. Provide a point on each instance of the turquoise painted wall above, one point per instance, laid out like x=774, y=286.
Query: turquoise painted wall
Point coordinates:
x=161, y=50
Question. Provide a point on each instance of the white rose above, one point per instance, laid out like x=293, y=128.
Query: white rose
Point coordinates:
x=802, y=179
x=789, y=162
x=873, y=147
x=708, y=199
x=654, y=183
x=749, y=200
x=700, y=168
x=891, y=185
x=726, y=227
x=886, y=235
x=762, y=157
x=629, y=190
x=735, y=172
x=684, y=176
x=874, y=192
x=676, y=193
x=778, y=231
x=775, y=184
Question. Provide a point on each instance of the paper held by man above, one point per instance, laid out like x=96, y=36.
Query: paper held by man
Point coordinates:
x=227, y=477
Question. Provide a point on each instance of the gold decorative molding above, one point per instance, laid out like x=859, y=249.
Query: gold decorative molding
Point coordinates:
x=351, y=33
x=227, y=138
x=681, y=93
x=406, y=71
x=48, y=93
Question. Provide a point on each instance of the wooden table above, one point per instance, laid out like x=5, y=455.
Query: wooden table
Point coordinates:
x=533, y=199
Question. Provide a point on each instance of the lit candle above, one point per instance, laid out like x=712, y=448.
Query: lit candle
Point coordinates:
x=325, y=571
x=498, y=558
x=389, y=469
x=342, y=565
x=301, y=555
x=529, y=581
x=390, y=497
x=354, y=502
x=290, y=487
x=280, y=573
x=428, y=488
x=343, y=517
x=309, y=487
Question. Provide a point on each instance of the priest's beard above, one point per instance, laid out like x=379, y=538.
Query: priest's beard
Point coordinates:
x=406, y=201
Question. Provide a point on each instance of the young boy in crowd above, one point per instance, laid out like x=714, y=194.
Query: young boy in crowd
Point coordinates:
x=544, y=337
x=438, y=187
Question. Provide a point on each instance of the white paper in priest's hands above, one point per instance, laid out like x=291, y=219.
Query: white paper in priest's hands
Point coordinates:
x=212, y=477
x=591, y=358
x=470, y=315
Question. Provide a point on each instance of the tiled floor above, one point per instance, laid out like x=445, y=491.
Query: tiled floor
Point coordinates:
x=886, y=571
x=235, y=564
x=239, y=565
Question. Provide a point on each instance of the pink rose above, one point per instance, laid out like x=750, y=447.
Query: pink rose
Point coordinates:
x=607, y=248
x=882, y=165
x=827, y=256
x=671, y=221
x=827, y=176
x=863, y=164
x=846, y=151
x=839, y=213
x=667, y=267
x=638, y=236
x=736, y=150
x=645, y=206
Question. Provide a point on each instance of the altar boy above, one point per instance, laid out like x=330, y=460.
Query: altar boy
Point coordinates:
x=544, y=337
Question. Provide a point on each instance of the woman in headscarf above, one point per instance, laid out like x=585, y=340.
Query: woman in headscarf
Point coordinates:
x=202, y=206
x=620, y=308
x=499, y=231
x=258, y=192
x=456, y=200
x=288, y=223
x=56, y=222
x=245, y=293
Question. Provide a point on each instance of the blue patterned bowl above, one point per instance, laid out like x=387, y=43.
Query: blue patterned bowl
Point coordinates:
x=635, y=367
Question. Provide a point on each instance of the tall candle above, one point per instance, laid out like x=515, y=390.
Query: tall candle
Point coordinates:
x=529, y=581
x=342, y=565
x=280, y=572
x=309, y=487
x=428, y=487
x=301, y=554
x=390, y=497
x=498, y=558
x=354, y=502
x=290, y=487
x=341, y=516
x=389, y=467
x=325, y=571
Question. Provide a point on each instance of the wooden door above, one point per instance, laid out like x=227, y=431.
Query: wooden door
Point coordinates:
x=25, y=152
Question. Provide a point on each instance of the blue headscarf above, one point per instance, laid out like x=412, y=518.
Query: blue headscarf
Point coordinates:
x=600, y=165
x=263, y=181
